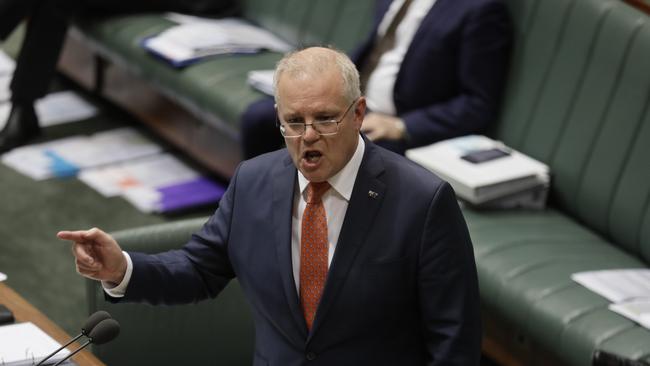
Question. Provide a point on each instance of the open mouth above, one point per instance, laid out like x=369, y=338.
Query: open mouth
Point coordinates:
x=312, y=156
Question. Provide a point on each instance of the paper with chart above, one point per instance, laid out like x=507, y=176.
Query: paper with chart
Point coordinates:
x=159, y=183
x=66, y=157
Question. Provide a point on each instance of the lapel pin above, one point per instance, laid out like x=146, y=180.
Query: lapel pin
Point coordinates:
x=373, y=194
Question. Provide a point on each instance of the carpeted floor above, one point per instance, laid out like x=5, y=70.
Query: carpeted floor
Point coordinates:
x=38, y=265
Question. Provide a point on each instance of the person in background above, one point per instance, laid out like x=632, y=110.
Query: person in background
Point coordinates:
x=430, y=70
x=47, y=24
x=348, y=253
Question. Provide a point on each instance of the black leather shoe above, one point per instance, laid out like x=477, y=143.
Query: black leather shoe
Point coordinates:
x=21, y=126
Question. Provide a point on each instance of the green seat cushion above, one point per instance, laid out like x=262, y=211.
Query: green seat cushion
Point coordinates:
x=216, y=86
x=525, y=260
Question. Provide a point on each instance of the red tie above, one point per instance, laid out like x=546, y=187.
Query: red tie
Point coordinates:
x=313, y=251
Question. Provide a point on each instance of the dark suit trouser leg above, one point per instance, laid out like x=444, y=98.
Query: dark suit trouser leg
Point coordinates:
x=13, y=12
x=36, y=63
x=259, y=133
x=47, y=26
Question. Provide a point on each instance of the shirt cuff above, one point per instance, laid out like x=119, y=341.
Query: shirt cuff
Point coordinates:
x=120, y=289
x=401, y=127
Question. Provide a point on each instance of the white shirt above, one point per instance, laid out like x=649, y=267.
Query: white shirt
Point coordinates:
x=335, y=201
x=381, y=83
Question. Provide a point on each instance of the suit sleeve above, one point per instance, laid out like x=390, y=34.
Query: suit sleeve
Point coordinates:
x=448, y=285
x=199, y=270
x=484, y=50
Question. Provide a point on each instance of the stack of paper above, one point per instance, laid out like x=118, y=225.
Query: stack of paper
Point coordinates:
x=5, y=92
x=191, y=41
x=7, y=66
x=55, y=108
x=65, y=157
x=627, y=289
x=159, y=183
x=25, y=344
x=262, y=80
x=62, y=107
x=509, y=180
x=5, y=109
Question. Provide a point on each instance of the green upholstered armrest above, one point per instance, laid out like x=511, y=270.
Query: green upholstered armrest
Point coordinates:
x=157, y=238
x=215, y=332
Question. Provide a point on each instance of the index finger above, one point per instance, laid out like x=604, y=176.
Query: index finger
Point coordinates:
x=77, y=236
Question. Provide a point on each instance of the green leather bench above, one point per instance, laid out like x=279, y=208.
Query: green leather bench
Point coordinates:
x=216, y=332
x=215, y=90
x=578, y=99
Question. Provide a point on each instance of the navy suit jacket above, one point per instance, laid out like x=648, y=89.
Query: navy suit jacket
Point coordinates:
x=453, y=73
x=401, y=289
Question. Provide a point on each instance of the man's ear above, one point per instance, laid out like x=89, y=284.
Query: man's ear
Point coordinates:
x=360, y=111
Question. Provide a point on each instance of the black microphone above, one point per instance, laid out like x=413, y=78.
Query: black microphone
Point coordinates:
x=105, y=331
x=91, y=322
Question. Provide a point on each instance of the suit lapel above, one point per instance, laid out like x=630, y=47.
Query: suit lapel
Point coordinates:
x=284, y=180
x=365, y=201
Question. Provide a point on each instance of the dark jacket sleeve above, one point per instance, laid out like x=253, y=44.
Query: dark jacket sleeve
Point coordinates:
x=199, y=270
x=448, y=285
x=484, y=46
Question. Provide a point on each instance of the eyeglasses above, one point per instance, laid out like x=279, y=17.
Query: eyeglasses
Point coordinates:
x=323, y=128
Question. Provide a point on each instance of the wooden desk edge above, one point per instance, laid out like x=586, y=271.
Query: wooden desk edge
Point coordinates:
x=24, y=311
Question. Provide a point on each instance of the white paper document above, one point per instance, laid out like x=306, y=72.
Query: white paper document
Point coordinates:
x=262, y=80
x=188, y=42
x=485, y=181
x=66, y=157
x=61, y=107
x=637, y=311
x=5, y=92
x=617, y=285
x=627, y=289
x=24, y=344
x=160, y=183
x=5, y=109
x=2, y=276
x=7, y=64
x=154, y=171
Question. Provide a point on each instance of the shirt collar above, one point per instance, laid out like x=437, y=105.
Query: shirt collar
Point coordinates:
x=343, y=181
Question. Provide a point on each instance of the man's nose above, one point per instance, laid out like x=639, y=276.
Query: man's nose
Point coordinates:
x=310, y=133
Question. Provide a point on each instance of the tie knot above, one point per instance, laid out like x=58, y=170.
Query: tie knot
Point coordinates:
x=315, y=191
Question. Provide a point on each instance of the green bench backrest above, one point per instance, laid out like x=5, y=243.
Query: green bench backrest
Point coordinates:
x=579, y=99
x=341, y=23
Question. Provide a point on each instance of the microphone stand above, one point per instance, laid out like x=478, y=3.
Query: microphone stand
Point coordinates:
x=74, y=353
x=59, y=349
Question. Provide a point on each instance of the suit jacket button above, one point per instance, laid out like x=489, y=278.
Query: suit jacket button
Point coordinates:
x=310, y=356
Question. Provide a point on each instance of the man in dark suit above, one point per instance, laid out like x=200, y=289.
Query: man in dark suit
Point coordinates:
x=348, y=253
x=47, y=24
x=440, y=75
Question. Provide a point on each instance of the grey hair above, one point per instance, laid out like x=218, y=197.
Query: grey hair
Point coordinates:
x=303, y=62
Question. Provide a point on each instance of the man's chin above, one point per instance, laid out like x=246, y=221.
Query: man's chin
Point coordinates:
x=313, y=174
